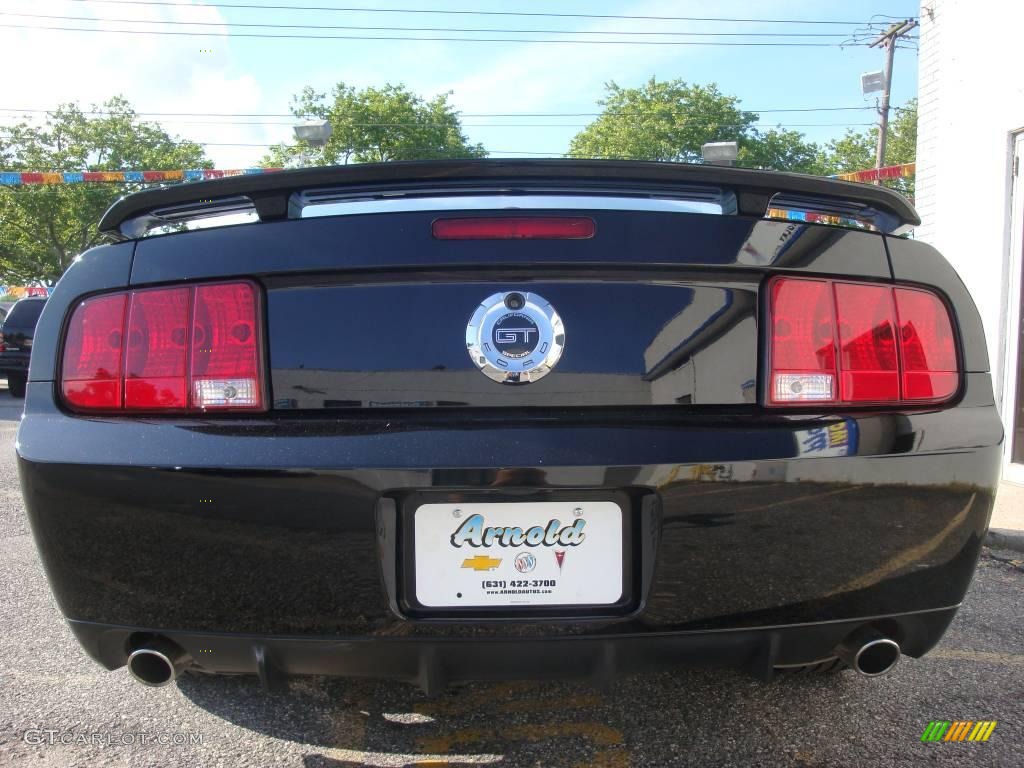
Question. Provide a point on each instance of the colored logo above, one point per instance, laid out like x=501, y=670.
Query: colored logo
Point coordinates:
x=958, y=730
x=834, y=440
x=525, y=562
x=473, y=532
x=481, y=563
x=559, y=558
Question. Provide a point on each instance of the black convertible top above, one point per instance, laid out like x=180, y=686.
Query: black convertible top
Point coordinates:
x=743, y=191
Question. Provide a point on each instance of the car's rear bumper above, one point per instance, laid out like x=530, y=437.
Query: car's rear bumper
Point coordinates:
x=279, y=530
x=436, y=662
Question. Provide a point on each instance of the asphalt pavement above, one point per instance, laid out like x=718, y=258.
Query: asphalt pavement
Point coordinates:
x=58, y=708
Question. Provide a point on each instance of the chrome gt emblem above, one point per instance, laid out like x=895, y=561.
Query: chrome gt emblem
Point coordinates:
x=515, y=338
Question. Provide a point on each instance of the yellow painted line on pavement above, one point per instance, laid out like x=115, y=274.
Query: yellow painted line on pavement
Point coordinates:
x=906, y=557
x=560, y=703
x=563, y=703
x=733, y=487
x=795, y=499
x=382, y=759
x=597, y=733
x=607, y=758
x=477, y=698
x=521, y=697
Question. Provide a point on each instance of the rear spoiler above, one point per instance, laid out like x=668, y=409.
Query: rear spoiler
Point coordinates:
x=280, y=195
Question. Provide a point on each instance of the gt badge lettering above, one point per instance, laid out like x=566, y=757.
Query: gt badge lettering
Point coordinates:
x=515, y=338
x=512, y=335
x=474, y=533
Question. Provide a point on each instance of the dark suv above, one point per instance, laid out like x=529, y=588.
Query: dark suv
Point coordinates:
x=16, y=342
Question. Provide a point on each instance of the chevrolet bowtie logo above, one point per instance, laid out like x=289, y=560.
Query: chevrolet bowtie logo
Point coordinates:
x=481, y=563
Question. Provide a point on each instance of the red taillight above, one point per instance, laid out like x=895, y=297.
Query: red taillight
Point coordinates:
x=515, y=228
x=92, y=372
x=804, y=367
x=156, y=356
x=166, y=349
x=225, y=352
x=867, y=344
x=926, y=340
x=837, y=342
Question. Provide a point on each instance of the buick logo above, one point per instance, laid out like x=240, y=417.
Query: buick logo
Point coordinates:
x=515, y=338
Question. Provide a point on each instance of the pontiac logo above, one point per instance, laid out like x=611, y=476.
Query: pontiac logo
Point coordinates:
x=474, y=533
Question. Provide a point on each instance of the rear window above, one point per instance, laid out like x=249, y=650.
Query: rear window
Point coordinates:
x=25, y=314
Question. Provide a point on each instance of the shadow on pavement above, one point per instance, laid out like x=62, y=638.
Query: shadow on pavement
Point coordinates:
x=360, y=722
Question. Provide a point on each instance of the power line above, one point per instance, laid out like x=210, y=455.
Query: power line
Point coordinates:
x=448, y=12
x=498, y=30
x=760, y=124
x=5, y=132
x=463, y=114
x=391, y=38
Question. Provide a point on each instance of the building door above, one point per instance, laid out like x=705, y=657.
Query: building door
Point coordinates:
x=1013, y=382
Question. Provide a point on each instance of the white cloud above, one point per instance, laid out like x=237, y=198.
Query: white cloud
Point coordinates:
x=175, y=73
x=155, y=73
x=539, y=75
x=547, y=78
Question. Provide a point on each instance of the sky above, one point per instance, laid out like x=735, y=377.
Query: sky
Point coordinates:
x=222, y=78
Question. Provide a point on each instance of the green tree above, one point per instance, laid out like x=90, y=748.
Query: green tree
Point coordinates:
x=780, y=150
x=43, y=227
x=671, y=120
x=376, y=125
x=855, y=151
x=667, y=120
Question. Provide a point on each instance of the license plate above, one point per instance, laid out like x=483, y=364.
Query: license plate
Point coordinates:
x=518, y=554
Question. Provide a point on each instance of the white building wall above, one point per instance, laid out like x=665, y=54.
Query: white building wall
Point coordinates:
x=971, y=92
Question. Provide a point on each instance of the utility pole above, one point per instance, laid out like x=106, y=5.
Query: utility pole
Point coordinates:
x=888, y=40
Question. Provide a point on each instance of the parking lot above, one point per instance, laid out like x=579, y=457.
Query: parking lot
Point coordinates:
x=57, y=708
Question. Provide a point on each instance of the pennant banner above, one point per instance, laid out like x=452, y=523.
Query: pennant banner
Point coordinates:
x=873, y=174
x=18, y=178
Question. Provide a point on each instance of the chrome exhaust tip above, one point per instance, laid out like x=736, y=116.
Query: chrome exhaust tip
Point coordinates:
x=158, y=662
x=869, y=652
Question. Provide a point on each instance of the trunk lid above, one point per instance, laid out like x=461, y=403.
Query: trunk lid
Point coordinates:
x=369, y=310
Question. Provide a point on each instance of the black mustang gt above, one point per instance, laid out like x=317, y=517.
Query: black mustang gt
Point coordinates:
x=495, y=419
